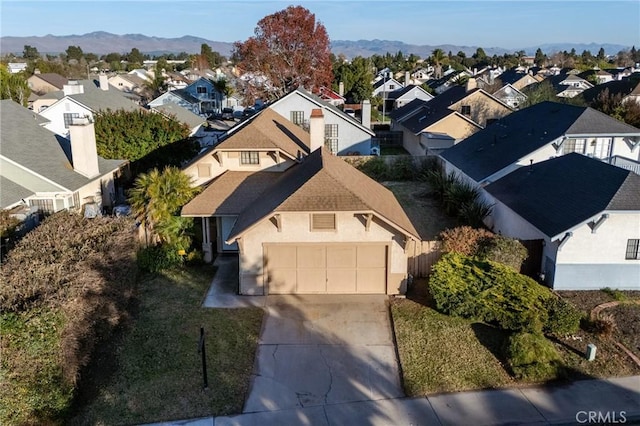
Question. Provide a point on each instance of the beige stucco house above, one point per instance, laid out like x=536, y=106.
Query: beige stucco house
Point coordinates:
x=300, y=219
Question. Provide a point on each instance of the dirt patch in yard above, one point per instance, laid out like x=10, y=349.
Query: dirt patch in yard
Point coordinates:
x=423, y=210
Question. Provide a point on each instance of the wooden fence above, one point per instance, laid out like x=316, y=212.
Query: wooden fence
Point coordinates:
x=422, y=255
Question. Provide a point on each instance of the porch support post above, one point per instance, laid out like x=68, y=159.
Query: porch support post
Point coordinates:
x=206, y=240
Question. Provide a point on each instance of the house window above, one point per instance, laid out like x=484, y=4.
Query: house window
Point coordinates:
x=601, y=147
x=297, y=117
x=574, y=145
x=201, y=89
x=392, y=86
x=632, y=250
x=249, y=157
x=68, y=118
x=466, y=109
x=331, y=137
x=323, y=222
x=43, y=205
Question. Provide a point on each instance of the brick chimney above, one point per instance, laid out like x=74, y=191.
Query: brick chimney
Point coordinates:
x=366, y=113
x=104, y=82
x=84, y=153
x=316, y=130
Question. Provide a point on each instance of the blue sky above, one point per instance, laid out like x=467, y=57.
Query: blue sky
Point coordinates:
x=508, y=24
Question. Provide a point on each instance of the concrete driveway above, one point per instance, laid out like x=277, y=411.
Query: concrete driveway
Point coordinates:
x=321, y=350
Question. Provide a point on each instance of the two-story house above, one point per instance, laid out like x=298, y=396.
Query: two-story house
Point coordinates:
x=300, y=219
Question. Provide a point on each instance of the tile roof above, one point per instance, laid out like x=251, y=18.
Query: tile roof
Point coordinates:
x=558, y=194
x=525, y=131
x=268, y=130
x=181, y=114
x=323, y=182
x=35, y=148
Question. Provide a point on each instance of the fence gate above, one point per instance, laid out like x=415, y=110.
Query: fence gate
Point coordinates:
x=422, y=255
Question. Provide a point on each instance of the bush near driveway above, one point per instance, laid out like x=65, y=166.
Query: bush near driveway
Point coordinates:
x=65, y=286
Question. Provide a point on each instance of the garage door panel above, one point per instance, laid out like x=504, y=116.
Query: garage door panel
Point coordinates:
x=371, y=280
x=373, y=256
x=341, y=257
x=341, y=280
x=311, y=257
x=312, y=280
x=281, y=257
x=282, y=281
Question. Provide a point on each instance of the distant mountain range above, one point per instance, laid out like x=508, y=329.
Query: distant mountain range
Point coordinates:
x=101, y=42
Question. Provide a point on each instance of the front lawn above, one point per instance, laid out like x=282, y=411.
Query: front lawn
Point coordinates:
x=154, y=372
x=441, y=353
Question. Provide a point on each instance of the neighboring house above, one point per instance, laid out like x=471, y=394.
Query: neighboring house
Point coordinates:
x=83, y=99
x=344, y=134
x=142, y=74
x=46, y=83
x=131, y=83
x=175, y=81
x=384, y=85
x=197, y=125
x=587, y=214
x=316, y=226
x=16, y=67
x=41, y=169
x=518, y=80
x=178, y=97
x=458, y=113
x=569, y=85
x=331, y=97
x=627, y=89
x=538, y=133
x=509, y=95
x=597, y=75
x=209, y=99
x=401, y=97
x=450, y=79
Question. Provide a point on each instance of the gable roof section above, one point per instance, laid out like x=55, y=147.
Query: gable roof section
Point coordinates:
x=41, y=151
x=12, y=192
x=181, y=114
x=268, y=130
x=97, y=99
x=407, y=109
x=323, y=182
x=53, y=79
x=384, y=81
x=623, y=87
x=396, y=94
x=559, y=194
x=523, y=132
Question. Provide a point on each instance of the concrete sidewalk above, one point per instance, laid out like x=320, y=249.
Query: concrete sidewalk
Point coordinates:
x=223, y=292
x=608, y=401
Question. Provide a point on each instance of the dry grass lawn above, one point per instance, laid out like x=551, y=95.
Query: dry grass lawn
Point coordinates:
x=154, y=373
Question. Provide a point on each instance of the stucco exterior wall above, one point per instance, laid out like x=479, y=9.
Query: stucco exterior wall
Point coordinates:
x=483, y=108
x=231, y=161
x=454, y=126
x=350, y=228
x=36, y=84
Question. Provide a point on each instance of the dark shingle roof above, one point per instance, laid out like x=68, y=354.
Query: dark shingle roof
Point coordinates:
x=324, y=182
x=407, y=109
x=558, y=194
x=622, y=87
x=11, y=192
x=181, y=114
x=35, y=148
x=511, y=76
x=523, y=132
x=398, y=93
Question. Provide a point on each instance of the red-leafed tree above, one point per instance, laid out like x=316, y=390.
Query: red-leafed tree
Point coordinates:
x=290, y=49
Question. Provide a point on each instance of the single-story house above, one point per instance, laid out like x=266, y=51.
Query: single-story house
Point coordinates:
x=587, y=214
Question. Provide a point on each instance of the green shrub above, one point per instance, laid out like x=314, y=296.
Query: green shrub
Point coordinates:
x=402, y=168
x=507, y=251
x=376, y=168
x=464, y=239
x=532, y=357
x=615, y=294
x=159, y=258
x=457, y=195
x=488, y=291
x=564, y=318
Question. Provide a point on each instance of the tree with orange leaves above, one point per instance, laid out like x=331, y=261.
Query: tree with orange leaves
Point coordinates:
x=290, y=49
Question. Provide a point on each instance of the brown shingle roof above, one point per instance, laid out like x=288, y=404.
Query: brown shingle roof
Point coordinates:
x=323, y=182
x=268, y=130
x=53, y=79
x=230, y=193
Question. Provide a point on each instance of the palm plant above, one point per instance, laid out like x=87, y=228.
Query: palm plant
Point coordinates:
x=156, y=198
x=437, y=57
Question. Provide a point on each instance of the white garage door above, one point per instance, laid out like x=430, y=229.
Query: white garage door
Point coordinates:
x=326, y=269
